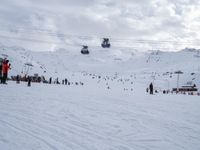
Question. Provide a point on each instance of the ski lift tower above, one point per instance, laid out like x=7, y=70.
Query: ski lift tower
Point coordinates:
x=178, y=74
x=28, y=67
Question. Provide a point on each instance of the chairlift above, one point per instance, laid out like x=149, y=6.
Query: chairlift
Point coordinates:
x=29, y=64
x=85, y=50
x=106, y=43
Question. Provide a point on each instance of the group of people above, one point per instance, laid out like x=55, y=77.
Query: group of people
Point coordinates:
x=4, y=68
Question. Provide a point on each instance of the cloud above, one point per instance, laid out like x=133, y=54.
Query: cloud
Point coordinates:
x=166, y=20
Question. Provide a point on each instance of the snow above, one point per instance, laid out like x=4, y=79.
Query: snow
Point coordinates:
x=92, y=117
x=112, y=112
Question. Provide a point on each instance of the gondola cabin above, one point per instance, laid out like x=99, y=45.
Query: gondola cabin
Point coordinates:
x=85, y=50
x=106, y=43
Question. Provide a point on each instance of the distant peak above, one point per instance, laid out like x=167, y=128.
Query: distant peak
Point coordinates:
x=190, y=50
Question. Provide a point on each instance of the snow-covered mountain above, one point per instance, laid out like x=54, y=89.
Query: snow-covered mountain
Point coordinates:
x=151, y=65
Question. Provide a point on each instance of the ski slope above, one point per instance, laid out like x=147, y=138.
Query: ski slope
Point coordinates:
x=111, y=111
x=91, y=117
x=156, y=66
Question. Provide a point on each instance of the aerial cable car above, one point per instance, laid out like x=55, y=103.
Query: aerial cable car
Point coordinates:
x=85, y=50
x=106, y=43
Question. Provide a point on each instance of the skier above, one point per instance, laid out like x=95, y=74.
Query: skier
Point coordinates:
x=50, y=80
x=147, y=90
x=18, y=79
x=151, y=88
x=6, y=67
x=57, y=81
x=66, y=81
x=29, y=81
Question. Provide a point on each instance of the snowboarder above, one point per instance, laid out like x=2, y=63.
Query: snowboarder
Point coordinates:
x=5, y=68
x=151, y=88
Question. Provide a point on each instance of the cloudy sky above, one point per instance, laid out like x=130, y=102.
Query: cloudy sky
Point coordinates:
x=168, y=22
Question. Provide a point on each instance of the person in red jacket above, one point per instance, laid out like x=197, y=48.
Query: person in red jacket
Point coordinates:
x=5, y=68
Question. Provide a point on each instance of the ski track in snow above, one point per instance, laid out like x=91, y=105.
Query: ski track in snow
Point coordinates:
x=56, y=117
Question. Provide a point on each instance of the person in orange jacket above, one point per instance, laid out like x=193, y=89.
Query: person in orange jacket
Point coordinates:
x=5, y=68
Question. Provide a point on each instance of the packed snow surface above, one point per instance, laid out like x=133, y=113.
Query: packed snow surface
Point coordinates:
x=89, y=117
x=110, y=111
